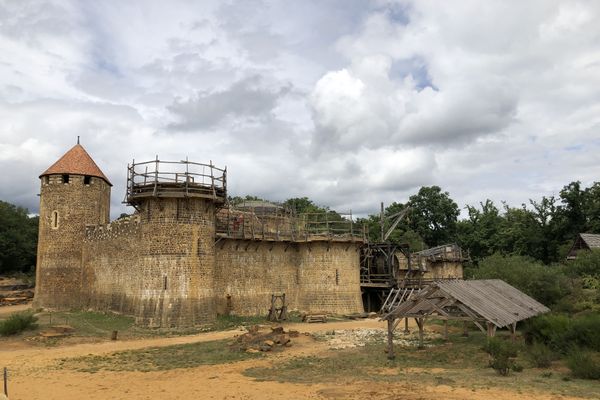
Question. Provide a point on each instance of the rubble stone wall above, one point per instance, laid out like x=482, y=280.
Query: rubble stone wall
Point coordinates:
x=65, y=210
x=315, y=276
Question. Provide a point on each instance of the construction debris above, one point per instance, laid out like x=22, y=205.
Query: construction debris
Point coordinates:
x=14, y=291
x=57, y=331
x=310, y=318
x=254, y=341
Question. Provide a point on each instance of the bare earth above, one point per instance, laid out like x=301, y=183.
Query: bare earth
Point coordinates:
x=33, y=375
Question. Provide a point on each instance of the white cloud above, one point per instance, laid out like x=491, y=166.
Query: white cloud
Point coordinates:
x=348, y=103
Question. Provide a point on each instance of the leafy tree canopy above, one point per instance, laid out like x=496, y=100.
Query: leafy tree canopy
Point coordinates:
x=18, y=239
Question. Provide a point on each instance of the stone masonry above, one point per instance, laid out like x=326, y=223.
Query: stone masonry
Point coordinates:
x=165, y=265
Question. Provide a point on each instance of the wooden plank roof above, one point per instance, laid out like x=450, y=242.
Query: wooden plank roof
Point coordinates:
x=592, y=240
x=492, y=300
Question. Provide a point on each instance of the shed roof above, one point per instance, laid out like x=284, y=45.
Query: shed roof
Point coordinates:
x=492, y=300
x=76, y=161
x=592, y=240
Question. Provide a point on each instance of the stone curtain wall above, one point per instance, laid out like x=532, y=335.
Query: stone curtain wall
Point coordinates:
x=160, y=269
x=330, y=279
x=74, y=205
x=112, y=276
x=314, y=276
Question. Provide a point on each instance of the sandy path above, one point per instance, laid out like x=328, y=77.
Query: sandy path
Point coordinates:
x=5, y=310
x=33, y=376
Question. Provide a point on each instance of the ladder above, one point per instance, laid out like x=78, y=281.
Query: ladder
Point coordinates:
x=395, y=297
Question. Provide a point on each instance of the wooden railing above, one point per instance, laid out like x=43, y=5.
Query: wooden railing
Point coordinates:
x=175, y=179
x=247, y=224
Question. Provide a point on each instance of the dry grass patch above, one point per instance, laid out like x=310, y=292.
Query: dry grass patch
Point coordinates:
x=160, y=358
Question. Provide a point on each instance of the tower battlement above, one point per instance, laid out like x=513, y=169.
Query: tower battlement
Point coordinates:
x=175, y=179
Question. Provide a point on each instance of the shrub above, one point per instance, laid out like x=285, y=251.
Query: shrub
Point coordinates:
x=560, y=332
x=587, y=264
x=502, y=355
x=547, y=284
x=541, y=355
x=17, y=322
x=583, y=365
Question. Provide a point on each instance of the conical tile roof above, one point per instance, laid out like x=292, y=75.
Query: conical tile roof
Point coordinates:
x=76, y=161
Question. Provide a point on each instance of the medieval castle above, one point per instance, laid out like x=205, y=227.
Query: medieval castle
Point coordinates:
x=185, y=255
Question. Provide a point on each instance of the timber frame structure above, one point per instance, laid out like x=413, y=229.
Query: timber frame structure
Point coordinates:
x=379, y=272
x=489, y=304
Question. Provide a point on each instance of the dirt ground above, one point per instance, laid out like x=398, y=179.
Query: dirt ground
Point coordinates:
x=33, y=374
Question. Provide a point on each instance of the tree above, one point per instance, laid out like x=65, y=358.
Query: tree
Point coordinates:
x=434, y=215
x=303, y=205
x=547, y=216
x=236, y=200
x=18, y=238
x=480, y=233
x=592, y=208
x=572, y=211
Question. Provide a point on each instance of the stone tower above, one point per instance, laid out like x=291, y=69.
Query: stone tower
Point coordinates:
x=74, y=193
x=176, y=202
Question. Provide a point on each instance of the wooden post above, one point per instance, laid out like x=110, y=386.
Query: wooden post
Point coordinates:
x=5, y=382
x=114, y=335
x=381, y=221
x=420, y=324
x=390, y=337
x=513, y=332
x=406, y=325
x=491, y=330
x=446, y=330
x=465, y=329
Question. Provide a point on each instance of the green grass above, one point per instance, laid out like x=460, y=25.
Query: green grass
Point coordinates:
x=160, y=358
x=460, y=363
x=88, y=323
x=101, y=325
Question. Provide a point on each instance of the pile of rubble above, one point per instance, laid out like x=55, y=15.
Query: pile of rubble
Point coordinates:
x=13, y=291
x=351, y=338
x=255, y=341
x=57, y=331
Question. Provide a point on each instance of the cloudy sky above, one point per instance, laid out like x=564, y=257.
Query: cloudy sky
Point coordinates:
x=348, y=102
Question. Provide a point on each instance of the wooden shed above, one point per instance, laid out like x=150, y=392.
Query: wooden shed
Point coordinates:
x=489, y=304
x=584, y=242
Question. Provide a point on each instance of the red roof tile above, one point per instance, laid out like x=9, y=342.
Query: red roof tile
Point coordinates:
x=76, y=161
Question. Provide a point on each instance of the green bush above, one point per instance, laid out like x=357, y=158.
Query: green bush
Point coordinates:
x=546, y=284
x=583, y=365
x=17, y=322
x=587, y=264
x=502, y=355
x=561, y=332
x=541, y=355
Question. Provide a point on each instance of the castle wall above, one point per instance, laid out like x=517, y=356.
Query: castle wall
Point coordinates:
x=445, y=270
x=159, y=267
x=65, y=210
x=314, y=276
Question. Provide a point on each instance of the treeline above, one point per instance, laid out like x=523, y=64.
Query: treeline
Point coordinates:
x=543, y=229
x=18, y=239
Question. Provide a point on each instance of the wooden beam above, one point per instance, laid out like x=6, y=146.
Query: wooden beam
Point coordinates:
x=471, y=314
x=390, y=338
x=421, y=323
x=513, y=332
x=446, y=330
x=491, y=330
